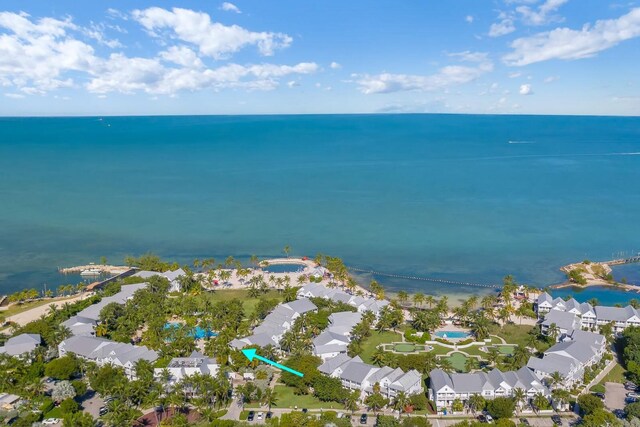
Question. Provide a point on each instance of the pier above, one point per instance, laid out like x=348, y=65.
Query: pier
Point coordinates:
x=424, y=279
x=620, y=261
x=97, y=285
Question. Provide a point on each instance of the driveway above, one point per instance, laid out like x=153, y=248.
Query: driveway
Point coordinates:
x=92, y=404
x=615, y=394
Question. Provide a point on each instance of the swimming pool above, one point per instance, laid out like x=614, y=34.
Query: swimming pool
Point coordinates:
x=284, y=268
x=197, y=332
x=456, y=335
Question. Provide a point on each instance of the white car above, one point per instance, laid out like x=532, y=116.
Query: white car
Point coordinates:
x=51, y=421
x=260, y=415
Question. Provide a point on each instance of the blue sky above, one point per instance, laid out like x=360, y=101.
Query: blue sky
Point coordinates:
x=257, y=57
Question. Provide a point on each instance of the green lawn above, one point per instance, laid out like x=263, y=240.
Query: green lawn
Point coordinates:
x=407, y=348
x=458, y=361
x=512, y=333
x=243, y=295
x=369, y=345
x=505, y=349
x=54, y=413
x=615, y=375
x=287, y=399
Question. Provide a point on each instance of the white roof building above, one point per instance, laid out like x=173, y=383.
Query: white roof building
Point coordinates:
x=20, y=345
x=182, y=367
x=103, y=351
x=172, y=276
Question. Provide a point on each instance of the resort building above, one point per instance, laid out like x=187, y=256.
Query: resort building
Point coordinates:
x=576, y=351
x=103, y=351
x=589, y=317
x=79, y=325
x=275, y=324
x=183, y=367
x=126, y=293
x=172, y=276
x=336, y=338
x=21, y=345
x=357, y=375
x=444, y=388
x=9, y=402
x=564, y=322
x=362, y=304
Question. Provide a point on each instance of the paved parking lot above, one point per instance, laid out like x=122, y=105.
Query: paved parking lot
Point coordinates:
x=614, y=396
x=93, y=404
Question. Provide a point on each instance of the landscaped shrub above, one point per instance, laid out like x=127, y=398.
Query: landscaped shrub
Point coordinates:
x=443, y=341
x=598, y=388
x=467, y=341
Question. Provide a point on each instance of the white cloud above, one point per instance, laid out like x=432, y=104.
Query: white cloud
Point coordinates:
x=525, y=89
x=470, y=56
x=335, y=66
x=543, y=15
x=468, y=19
x=129, y=75
x=447, y=76
x=565, y=43
x=230, y=7
x=212, y=38
x=515, y=74
x=182, y=55
x=40, y=55
x=504, y=26
x=97, y=32
x=551, y=79
x=292, y=84
x=14, y=95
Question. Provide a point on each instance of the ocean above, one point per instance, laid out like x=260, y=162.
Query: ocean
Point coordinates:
x=466, y=198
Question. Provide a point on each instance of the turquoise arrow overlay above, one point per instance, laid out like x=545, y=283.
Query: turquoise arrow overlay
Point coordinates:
x=251, y=354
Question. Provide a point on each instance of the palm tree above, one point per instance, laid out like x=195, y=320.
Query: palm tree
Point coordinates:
x=287, y=250
x=445, y=364
x=430, y=300
x=480, y=326
x=520, y=356
x=476, y=403
x=555, y=379
x=471, y=364
x=540, y=401
x=351, y=401
x=418, y=299
x=553, y=331
x=403, y=296
x=519, y=396
x=270, y=397
x=400, y=402
x=493, y=355
x=379, y=357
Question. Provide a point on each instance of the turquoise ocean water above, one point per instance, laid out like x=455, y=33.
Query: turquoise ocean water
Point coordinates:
x=461, y=197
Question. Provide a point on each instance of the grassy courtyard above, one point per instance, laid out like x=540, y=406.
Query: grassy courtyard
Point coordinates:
x=375, y=339
x=616, y=375
x=512, y=333
x=249, y=303
x=287, y=399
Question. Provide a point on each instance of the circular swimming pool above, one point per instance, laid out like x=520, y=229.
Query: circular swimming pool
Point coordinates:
x=284, y=268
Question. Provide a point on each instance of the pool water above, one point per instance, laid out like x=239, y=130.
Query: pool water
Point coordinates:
x=452, y=334
x=284, y=268
x=197, y=332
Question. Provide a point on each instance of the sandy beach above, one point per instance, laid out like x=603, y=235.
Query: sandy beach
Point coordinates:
x=34, y=313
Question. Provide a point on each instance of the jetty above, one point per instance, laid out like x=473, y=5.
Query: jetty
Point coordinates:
x=424, y=279
x=595, y=273
x=107, y=269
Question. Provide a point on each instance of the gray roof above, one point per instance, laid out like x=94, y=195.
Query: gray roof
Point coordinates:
x=334, y=363
x=580, y=351
x=82, y=345
x=301, y=306
x=126, y=292
x=339, y=296
x=20, y=344
x=328, y=336
x=439, y=379
x=544, y=297
x=262, y=340
x=590, y=338
x=406, y=381
x=329, y=348
x=552, y=363
x=357, y=371
x=173, y=275
x=562, y=319
x=469, y=383
x=615, y=314
x=345, y=318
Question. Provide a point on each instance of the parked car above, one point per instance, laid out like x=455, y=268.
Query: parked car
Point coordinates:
x=600, y=395
x=51, y=421
x=251, y=416
x=633, y=394
x=630, y=399
x=103, y=411
x=524, y=422
x=260, y=415
x=482, y=418
x=269, y=415
x=630, y=385
x=363, y=419
x=305, y=410
x=556, y=420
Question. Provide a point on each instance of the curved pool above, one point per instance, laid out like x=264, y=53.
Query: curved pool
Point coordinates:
x=197, y=332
